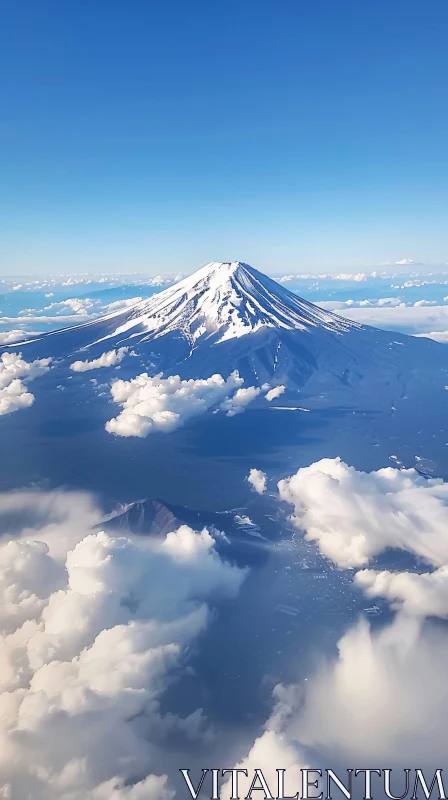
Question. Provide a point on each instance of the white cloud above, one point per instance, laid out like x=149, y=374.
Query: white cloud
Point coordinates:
x=121, y=305
x=71, y=310
x=71, y=281
x=14, y=375
x=162, y=280
x=343, y=305
x=275, y=392
x=79, y=305
x=423, y=303
x=437, y=336
x=258, y=480
x=240, y=400
x=164, y=404
x=354, y=515
x=273, y=750
x=350, y=276
x=360, y=707
x=423, y=594
x=15, y=335
x=363, y=706
x=109, y=359
x=417, y=282
x=91, y=627
x=408, y=319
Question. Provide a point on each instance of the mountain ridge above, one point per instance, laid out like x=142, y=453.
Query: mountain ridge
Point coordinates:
x=232, y=299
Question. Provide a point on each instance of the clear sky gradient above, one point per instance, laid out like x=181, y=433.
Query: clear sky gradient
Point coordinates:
x=156, y=135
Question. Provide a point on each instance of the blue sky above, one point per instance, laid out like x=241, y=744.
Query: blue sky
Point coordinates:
x=156, y=135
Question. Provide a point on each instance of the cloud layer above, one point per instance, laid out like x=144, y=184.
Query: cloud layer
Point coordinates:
x=407, y=319
x=91, y=626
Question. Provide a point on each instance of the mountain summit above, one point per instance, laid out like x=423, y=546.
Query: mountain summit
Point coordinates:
x=226, y=300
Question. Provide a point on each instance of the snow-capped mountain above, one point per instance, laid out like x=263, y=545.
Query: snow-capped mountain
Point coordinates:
x=229, y=316
x=220, y=301
x=224, y=301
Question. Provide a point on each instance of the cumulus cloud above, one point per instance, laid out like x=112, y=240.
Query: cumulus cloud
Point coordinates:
x=109, y=359
x=258, y=480
x=275, y=392
x=164, y=404
x=240, y=400
x=15, y=335
x=91, y=626
x=364, y=704
x=78, y=305
x=424, y=594
x=13, y=366
x=273, y=750
x=354, y=515
x=361, y=706
x=14, y=375
x=423, y=303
